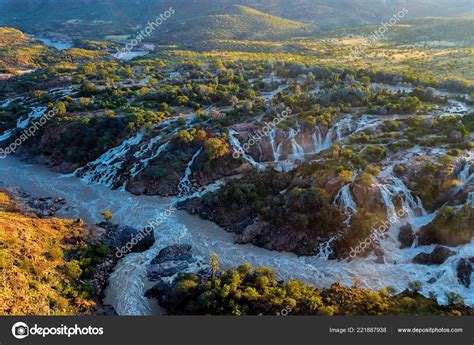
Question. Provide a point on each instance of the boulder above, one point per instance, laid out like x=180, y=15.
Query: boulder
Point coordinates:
x=436, y=257
x=406, y=236
x=465, y=271
x=176, y=252
x=135, y=240
x=368, y=197
x=166, y=269
x=46, y=206
x=158, y=289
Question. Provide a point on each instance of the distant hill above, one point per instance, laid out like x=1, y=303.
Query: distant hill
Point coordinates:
x=234, y=22
x=27, y=14
x=436, y=29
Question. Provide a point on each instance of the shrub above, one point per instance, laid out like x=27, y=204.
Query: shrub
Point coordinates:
x=73, y=269
x=216, y=148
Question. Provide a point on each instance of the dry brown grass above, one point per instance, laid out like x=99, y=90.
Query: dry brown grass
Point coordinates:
x=32, y=276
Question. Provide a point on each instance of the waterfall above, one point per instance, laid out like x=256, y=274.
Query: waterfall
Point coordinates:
x=21, y=123
x=320, y=143
x=317, y=140
x=202, y=191
x=464, y=175
x=343, y=124
x=129, y=282
x=275, y=149
x=185, y=187
x=142, y=162
x=395, y=188
x=346, y=201
x=327, y=143
x=470, y=199
x=7, y=102
x=238, y=148
x=365, y=122
x=104, y=170
x=298, y=151
x=34, y=115
x=325, y=249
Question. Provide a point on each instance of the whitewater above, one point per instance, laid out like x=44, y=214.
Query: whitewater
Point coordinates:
x=129, y=282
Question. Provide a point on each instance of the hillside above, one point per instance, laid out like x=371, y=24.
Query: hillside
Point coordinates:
x=436, y=31
x=37, y=275
x=29, y=14
x=235, y=22
x=18, y=52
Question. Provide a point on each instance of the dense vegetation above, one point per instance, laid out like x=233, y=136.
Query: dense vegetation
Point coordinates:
x=219, y=70
x=248, y=291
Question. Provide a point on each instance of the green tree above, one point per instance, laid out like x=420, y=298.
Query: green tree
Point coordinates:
x=214, y=265
x=216, y=148
x=107, y=216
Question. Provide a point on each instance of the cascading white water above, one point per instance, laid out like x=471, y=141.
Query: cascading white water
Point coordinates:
x=37, y=112
x=33, y=115
x=345, y=200
x=23, y=123
x=6, y=103
x=298, y=152
x=235, y=143
x=317, y=138
x=319, y=143
x=366, y=122
x=328, y=139
x=412, y=212
x=325, y=249
x=344, y=124
x=185, y=187
x=276, y=150
x=128, y=282
x=142, y=163
x=464, y=175
x=104, y=170
x=395, y=187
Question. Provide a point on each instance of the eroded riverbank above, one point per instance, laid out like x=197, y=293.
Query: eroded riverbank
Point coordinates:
x=128, y=282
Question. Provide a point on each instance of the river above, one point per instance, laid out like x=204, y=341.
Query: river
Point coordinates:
x=128, y=282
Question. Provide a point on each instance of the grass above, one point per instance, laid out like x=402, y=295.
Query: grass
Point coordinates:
x=34, y=278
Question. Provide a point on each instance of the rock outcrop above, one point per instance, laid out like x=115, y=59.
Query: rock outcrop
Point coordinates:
x=406, y=236
x=118, y=236
x=172, y=260
x=464, y=269
x=169, y=262
x=436, y=257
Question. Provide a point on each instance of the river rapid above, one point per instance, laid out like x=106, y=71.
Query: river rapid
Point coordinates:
x=128, y=282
